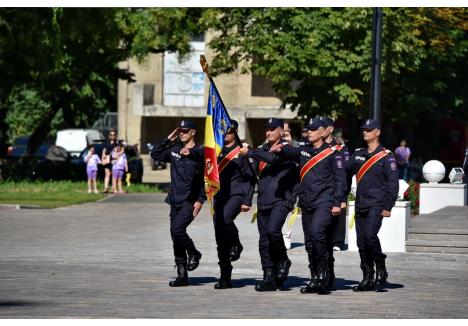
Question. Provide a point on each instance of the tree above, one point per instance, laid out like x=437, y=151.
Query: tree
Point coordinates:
x=69, y=57
x=318, y=59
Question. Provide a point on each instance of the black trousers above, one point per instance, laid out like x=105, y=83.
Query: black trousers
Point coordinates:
x=181, y=217
x=336, y=233
x=271, y=244
x=226, y=232
x=368, y=223
x=316, y=225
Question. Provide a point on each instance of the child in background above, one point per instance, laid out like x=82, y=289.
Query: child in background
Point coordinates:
x=119, y=168
x=92, y=160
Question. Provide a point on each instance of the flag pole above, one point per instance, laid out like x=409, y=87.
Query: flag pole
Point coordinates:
x=205, y=68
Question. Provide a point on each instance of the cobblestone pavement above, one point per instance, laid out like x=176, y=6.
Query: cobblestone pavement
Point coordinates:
x=114, y=259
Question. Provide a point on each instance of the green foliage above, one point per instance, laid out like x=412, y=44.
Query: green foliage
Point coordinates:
x=318, y=59
x=68, y=58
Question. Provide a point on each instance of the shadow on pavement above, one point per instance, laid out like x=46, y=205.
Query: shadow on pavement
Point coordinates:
x=387, y=286
x=202, y=280
x=296, y=244
x=18, y=303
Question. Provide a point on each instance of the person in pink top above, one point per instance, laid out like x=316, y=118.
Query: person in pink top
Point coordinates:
x=402, y=155
x=92, y=160
x=119, y=168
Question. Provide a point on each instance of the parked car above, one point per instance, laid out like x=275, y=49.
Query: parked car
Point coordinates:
x=49, y=162
x=135, y=163
x=21, y=144
x=77, y=140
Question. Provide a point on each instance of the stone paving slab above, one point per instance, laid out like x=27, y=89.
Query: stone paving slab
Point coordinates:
x=113, y=259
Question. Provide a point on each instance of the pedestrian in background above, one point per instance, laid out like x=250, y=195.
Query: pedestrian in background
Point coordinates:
x=92, y=160
x=402, y=155
x=106, y=158
x=119, y=168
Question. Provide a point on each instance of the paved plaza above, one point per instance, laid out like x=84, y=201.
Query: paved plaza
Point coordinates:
x=113, y=259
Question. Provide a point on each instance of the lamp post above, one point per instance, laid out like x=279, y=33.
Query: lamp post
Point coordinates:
x=374, y=108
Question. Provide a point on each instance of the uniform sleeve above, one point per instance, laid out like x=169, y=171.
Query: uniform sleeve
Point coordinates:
x=349, y=178
x=261, y=155
x=161, y=151
x=351, y=169
x=200, y=156
x=339, y=175
x=249, y=181
x=391, y=175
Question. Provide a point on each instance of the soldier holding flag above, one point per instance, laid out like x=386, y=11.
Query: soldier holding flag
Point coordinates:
x=234, y=196
x=186, y=193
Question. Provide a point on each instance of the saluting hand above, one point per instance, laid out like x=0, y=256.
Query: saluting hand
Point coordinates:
x=196, y=208
x=336, y=211
x=173, y=135
x=245, y=208
x=385, y=213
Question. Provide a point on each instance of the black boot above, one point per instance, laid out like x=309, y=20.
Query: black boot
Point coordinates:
x=224, y=281
x=282, y=271
x=367, y=283
x=381, y=273
x=323, y=276
x=312, y=287
x=194, y=257
x=268, y=283
x=182, y=276
x=236, y=251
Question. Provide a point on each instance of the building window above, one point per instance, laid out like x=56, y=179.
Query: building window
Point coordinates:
x=148, y=94
x=262, y=87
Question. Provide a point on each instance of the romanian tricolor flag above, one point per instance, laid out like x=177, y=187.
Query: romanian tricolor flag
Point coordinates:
x=217, y=124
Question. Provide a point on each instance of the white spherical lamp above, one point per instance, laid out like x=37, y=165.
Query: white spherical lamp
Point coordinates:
x=433, y=171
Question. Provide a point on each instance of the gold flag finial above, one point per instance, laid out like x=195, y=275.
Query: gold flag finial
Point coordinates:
x=204, y=64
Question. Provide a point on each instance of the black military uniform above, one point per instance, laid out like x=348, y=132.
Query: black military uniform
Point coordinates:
x=275, y=200
x=187, y=187
x=377, y=190
x=237, y=185
x=337, y=229
x=321, y=188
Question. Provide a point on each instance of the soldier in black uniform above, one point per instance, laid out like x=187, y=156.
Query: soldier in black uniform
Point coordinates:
x=275, y=200
x=186, y=194
x=322, y=188
x=237, y=185
x=337, y=230
x=377, y=190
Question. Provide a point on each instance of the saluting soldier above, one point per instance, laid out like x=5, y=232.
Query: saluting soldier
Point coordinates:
x=186, y=194
x=337, y=230
x=377, y=190
x=237, y=185
x=275, y=200
x=322, y=188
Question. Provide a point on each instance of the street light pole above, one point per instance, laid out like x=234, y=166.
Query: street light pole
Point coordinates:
x=374, y=108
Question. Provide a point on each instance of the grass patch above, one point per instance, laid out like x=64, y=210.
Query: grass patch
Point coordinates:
x=54, y=194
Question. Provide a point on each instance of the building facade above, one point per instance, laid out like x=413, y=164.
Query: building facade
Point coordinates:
x=167, y=90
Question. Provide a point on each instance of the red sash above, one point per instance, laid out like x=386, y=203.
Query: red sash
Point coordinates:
x=316, y=159
x=228, y=158
x=366, y=166
x=261, y=166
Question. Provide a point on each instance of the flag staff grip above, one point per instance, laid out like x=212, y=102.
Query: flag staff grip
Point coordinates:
x=205, y=68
